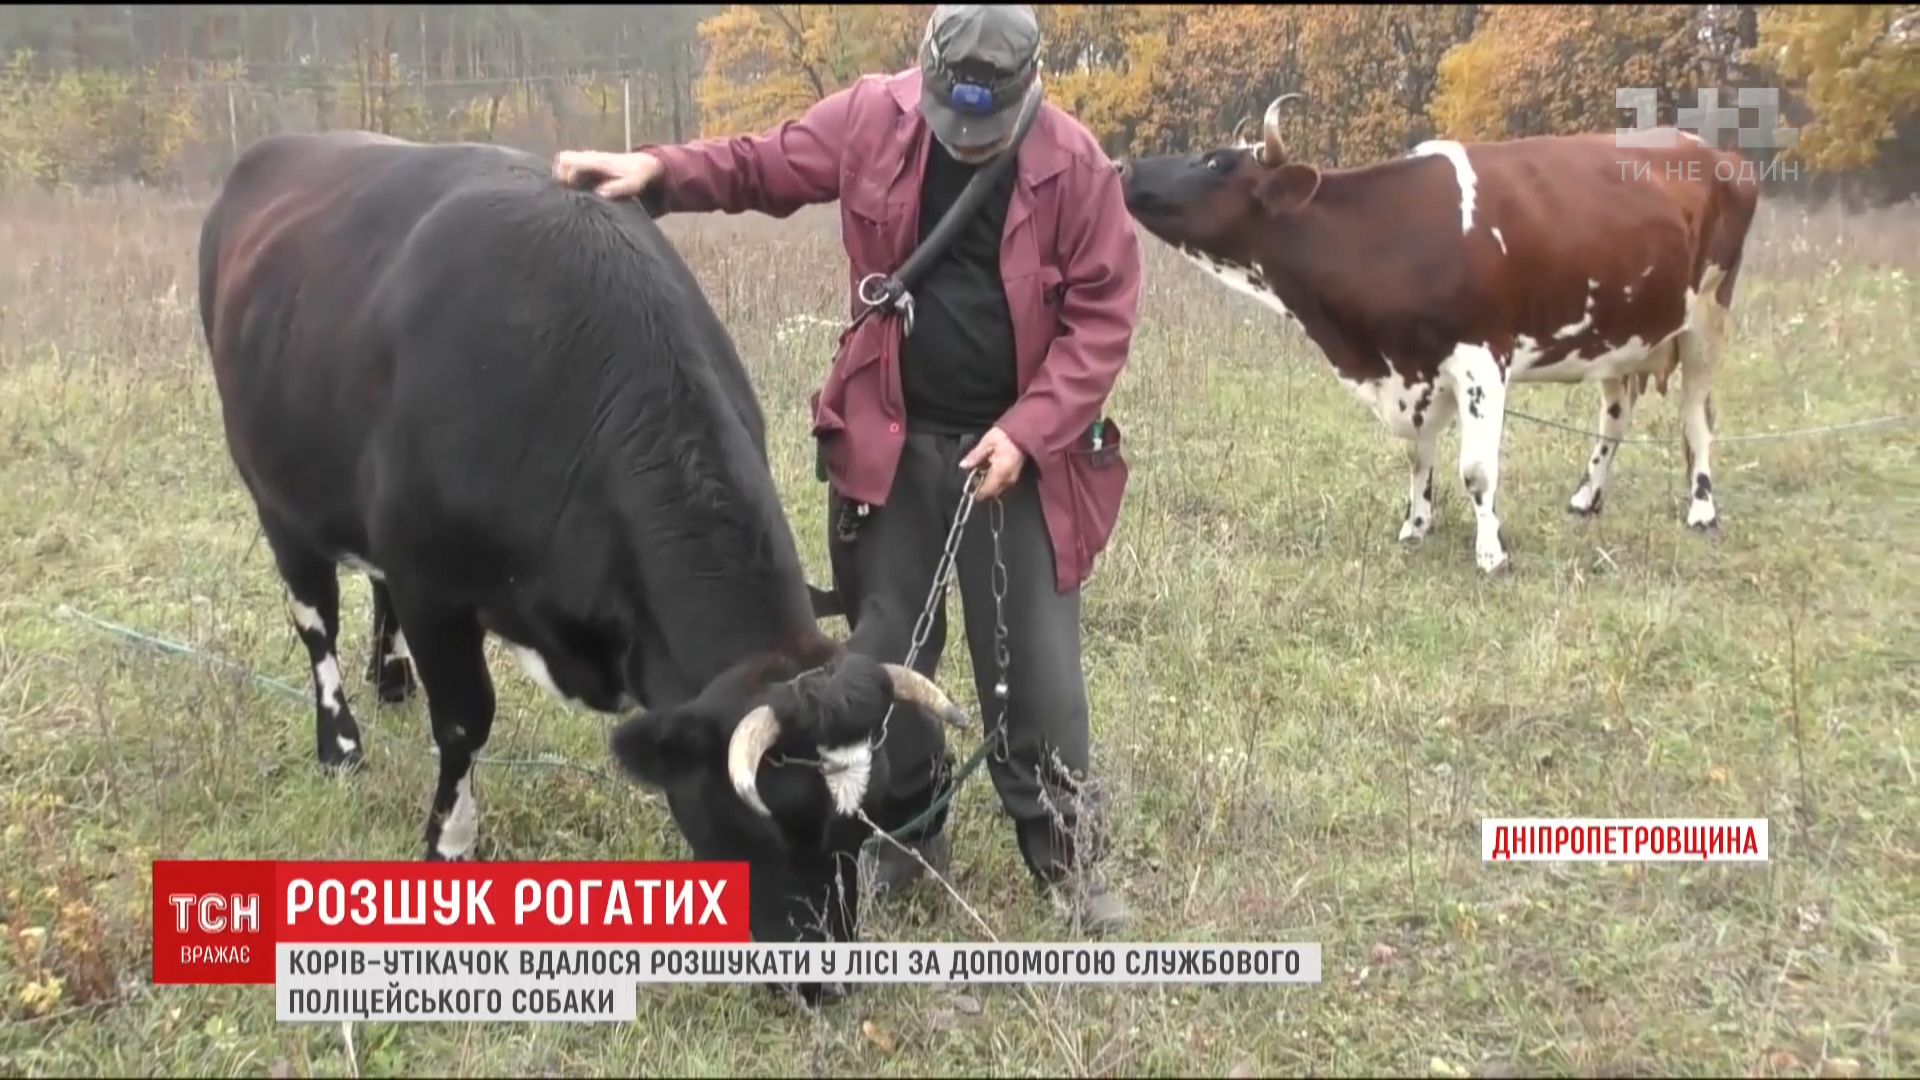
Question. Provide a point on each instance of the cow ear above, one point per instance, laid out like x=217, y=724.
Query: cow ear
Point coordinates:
x=1287, y=188
x=655, y=747
x=638, y=742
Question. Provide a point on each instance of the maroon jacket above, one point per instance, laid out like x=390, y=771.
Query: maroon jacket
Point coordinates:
x=1070, y=261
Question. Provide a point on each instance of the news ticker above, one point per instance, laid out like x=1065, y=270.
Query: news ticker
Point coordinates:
x=573, y=940
x=588, y=983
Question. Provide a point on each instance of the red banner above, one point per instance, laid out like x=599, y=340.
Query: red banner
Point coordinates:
x=213, y=922
x=217, y=921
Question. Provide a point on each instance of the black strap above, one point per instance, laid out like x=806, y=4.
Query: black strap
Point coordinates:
x=897, y=288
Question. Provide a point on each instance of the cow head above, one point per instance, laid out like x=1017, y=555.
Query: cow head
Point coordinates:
x=797, y=746
x=838, y=714
x=1214, y=201
x=776, y=766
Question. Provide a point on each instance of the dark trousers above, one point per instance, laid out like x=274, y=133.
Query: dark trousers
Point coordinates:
x=885, y=574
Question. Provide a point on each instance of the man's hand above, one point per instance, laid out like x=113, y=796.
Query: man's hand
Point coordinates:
x=1003, y=460
x=616, y=176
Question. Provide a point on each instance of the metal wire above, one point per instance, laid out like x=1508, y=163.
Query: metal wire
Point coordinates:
x=1756, y=437
x=175, y=648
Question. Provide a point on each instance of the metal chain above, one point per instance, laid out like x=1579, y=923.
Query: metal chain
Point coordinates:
x=942, y=575
x=996, y=515
x=936, y=593
x=993, y=742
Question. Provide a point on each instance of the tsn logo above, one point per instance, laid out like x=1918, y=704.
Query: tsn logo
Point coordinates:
x=215, y=913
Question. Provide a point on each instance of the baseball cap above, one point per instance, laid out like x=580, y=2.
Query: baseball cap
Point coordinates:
x=978, y=63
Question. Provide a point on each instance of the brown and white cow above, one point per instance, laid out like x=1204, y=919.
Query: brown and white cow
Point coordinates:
x=1433, y=281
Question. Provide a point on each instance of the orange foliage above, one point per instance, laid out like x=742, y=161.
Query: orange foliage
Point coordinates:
x=769, y=62
x=1533, y=69
x=1368, y=73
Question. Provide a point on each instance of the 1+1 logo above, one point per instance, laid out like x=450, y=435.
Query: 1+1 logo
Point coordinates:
x=1707, y=121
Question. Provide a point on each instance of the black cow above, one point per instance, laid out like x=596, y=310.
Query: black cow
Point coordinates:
x=510, y=405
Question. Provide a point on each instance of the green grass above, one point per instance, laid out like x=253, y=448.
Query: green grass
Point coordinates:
x=1300, y=721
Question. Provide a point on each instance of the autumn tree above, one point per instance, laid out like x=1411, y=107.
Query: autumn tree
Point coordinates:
x=1226, y=63
x=1535, y=69
x=1858, y=66
x=768, y=62
x=1107, y=65
x=1368, y=73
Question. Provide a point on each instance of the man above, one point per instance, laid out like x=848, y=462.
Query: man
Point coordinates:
x=1016, y=338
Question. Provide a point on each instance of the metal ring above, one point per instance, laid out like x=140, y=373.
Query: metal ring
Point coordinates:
x=862, y=290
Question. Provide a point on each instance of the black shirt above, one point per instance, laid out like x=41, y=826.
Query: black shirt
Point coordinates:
x=957, y=369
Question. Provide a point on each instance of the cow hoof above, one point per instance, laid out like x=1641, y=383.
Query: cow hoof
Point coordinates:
x=817, y=995
x=1709, y=528
x=393, y=681
x=811, y=995
x=396, y=691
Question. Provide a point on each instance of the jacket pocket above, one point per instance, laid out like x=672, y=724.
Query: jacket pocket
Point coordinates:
x=826, y=420
x=865, y=201
x=1097, y=480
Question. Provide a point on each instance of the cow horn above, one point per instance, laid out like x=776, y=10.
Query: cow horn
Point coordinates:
x=1240, y=136
x=1276, y=149
x=910, y=685
x=749, y=744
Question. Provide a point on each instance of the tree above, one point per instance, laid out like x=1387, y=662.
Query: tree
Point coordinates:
x=1859, y=68
x=1368, y=73
x=1106, y=65
x=768, y=62
x=1550, y=70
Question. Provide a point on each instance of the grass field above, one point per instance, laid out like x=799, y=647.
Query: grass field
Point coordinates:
x=1301, y=722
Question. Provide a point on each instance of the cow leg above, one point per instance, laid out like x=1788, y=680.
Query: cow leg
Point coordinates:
x=1480, y=393
x=389, y=667
x=449, y=652
x=314, y=593
x=1431, y=418
x=1696, y=418
x=1616, y=413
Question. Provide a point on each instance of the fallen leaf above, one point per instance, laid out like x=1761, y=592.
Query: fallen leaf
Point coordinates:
x=1784, y=1061
x=1440, y=1066
x=878, y=1036
x=1384, y=953
x=1845, y=1068
x=1716, y=775
x=967, y=1003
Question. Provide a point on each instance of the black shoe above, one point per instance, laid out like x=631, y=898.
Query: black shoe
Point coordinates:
x=1089, y=906
x=893, y=869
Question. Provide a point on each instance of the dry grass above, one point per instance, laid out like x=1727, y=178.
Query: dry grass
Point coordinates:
x=1302, y=722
